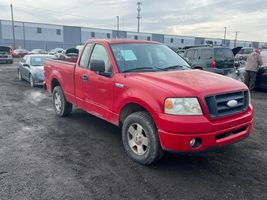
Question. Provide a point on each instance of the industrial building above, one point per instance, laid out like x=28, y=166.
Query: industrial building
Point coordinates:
x=30, y=36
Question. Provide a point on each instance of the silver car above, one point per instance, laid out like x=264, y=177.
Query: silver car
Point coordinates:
x=31, y=68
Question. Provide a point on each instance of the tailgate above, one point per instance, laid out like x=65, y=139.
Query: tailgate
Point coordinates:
x=224, y=58
x=4, y=51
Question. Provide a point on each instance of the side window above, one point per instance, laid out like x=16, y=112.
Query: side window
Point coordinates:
x=191, y=54
x=205, y=53
x=100, y=53
x=85, y=56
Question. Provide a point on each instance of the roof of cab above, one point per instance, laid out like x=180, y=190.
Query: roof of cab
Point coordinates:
x=122, y=41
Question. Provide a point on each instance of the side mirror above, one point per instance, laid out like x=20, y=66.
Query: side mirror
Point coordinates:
x=97, y=66
x=26, y=65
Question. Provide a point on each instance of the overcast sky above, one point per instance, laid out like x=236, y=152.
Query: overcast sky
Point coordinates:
x=178, y=17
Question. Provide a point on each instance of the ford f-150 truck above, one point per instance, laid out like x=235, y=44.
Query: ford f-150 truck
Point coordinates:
x=159, y=102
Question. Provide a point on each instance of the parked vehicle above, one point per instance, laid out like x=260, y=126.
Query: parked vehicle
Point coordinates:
x=243, y=54
x=56, y=51
x=6, y=54
x=211, y=58
x=151, y=92
x=261, y=80
x=31, y=68
x=72, y=53
x=19, y=53
x=38, y=51
x=180, y=52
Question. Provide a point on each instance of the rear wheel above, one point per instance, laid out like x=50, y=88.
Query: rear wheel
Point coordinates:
x=140, y=138
x=61, y=106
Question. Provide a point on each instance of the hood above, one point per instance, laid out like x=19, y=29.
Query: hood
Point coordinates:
x=37, y=69
x=190, y=82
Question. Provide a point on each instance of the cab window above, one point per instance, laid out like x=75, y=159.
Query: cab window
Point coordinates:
x=100, y=53
x=84, y=62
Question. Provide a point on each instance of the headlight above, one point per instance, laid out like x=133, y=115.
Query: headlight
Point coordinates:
x=182, y=106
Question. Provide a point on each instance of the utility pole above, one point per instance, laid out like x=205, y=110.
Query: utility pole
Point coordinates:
x=224, y=37
x=23, y=27
x=139, y=3
x=236, y=33
x=13, y=29
x=118, y=25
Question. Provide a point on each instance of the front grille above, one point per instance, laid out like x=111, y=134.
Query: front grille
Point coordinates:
x=217, y=104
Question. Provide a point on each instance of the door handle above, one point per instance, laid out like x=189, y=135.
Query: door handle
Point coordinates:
x=85, y=78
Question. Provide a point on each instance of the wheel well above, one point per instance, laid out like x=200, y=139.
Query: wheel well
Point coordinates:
x=54, y=83
x=129, y=109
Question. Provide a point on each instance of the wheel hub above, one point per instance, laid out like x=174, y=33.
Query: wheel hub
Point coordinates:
x=137, y=139
x=58, y=102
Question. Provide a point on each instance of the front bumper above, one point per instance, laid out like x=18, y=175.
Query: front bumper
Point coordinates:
x=210, y=134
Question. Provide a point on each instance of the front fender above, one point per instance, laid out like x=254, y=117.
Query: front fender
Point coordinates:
x=147, y=100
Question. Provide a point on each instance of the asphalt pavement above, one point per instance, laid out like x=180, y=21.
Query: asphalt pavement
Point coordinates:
x=82, y=157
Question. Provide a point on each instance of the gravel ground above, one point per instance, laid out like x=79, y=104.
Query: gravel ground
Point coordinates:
x=81, y=157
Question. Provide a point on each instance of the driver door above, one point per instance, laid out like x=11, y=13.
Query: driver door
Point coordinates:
x=99, y=90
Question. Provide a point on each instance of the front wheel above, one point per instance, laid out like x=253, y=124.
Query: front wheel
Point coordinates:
x=61, y=106
x=140, y=138
x=19, y=75
x=31, y=81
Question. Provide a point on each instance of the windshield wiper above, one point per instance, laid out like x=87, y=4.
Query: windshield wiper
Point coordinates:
x=138, y=68
x=175, y=67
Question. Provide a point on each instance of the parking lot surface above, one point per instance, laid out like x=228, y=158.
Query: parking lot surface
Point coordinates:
x=82, y=157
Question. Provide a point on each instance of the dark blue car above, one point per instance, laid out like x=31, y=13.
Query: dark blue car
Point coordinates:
x=31, y=68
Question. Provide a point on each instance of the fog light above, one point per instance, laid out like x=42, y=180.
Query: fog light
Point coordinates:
x=192, y=142
x=195, y=142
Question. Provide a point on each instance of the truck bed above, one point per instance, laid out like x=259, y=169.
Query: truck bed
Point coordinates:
x=64, y=70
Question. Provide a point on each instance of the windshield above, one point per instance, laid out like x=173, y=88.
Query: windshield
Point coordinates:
x=224, y=53
x=147, y=57
x=38, y=61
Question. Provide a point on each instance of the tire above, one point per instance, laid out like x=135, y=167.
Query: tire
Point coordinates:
x=19, y=75
x=140, y=138
x=11, y=62
x=31, y=81
x=61, y=106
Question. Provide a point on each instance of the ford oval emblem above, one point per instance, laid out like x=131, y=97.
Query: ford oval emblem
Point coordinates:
x=232, y=103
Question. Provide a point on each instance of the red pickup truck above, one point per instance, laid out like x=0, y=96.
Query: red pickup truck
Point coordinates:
x=153, y=95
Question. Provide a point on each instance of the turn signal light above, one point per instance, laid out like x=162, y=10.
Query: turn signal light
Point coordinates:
x=168, y=104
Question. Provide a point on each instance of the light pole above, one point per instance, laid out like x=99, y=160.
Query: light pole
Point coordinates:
x=139, y=3
x=23, y=28
x=224, y=37
x=236, y=33
x=118, y=25
x=13, y=30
